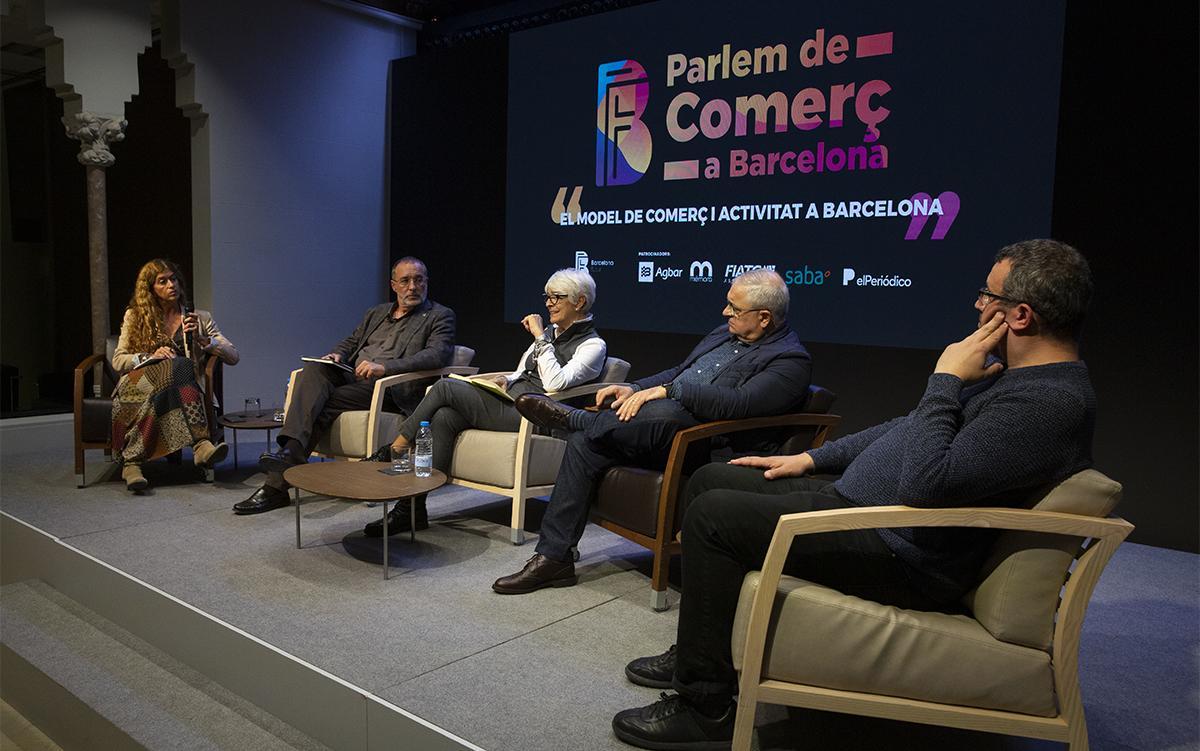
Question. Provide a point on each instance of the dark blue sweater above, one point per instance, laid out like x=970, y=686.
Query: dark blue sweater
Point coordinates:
x=996, y=443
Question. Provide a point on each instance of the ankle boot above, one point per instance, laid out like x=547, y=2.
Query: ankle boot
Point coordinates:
x=135, y=481
x=205, y=454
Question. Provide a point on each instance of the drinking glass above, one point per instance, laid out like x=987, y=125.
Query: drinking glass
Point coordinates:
x=253, y=405
x=401, y=459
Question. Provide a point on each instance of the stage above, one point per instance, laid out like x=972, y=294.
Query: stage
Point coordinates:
x=539, y=671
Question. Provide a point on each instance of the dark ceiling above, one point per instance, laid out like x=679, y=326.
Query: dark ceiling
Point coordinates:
x=452, y=22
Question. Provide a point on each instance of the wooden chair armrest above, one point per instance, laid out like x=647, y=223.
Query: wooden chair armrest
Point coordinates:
x=724, y=427
x=583, y=390
x=87, y=363
x=889, y=517
x=387, y=382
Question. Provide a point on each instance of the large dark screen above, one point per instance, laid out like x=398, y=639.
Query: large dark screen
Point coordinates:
x=875, y=154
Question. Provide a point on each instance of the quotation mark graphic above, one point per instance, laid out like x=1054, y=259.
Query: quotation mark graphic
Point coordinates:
x=558, y=208
x=950, y=207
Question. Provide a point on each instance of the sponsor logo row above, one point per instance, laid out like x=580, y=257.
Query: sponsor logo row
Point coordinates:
x=703, y=271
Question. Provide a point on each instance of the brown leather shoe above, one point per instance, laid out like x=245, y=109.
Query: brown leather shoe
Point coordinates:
x=543, y=411
x=539, y=572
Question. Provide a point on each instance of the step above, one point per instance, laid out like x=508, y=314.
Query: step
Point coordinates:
x=88, y=682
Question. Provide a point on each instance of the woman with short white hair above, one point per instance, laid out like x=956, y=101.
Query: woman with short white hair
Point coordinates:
x=564, y=354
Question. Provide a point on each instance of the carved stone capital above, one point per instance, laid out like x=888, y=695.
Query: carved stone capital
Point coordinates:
x=95, y=133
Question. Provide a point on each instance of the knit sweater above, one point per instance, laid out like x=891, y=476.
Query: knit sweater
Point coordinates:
x=996, y=443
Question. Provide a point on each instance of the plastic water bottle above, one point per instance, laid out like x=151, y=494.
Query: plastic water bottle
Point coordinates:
x=423, y=456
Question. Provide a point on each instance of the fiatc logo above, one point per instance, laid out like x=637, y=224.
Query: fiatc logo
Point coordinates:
x=805, y=277
x=734, y=270
x=623, y=142
x=700, y=271
x=866, y=280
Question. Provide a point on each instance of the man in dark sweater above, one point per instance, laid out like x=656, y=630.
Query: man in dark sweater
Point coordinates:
x=1007, y=411
x=413, y=333
x=752, y=365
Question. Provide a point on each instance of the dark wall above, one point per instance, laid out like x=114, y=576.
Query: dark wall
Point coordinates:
x=1125, y=194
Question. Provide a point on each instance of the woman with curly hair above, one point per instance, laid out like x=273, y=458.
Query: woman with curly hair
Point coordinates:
x=158, y=405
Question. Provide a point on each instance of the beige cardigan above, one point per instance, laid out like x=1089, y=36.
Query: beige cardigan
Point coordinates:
x=125, y=360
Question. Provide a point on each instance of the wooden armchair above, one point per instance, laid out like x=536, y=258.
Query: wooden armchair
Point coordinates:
x=356, y=434
x=93, y=404
x=520, y=465
x=642, y=504
x=1010, y=666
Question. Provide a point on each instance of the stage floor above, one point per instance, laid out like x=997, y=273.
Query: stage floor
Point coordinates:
x=539, y=671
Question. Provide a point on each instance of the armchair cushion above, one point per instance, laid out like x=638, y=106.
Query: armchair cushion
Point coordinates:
x=489, y=457
x=347, y=436
x=624, y=497
x=819, y=636
x=97, y=422
x=1019, y=584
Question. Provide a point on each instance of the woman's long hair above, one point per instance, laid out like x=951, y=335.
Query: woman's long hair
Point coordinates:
x=146, y=333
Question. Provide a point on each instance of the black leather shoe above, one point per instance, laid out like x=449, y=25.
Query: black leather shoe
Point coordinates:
x=543, y=411
x=673, y=723
x=653, y=672
x=539, y=572
x=265, y=498
x=382, y=454
x=399, y=519
x=278, y=461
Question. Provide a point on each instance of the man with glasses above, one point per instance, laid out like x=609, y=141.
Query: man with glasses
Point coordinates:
x=1008, y=411
x=752, y=365
x=413, y=333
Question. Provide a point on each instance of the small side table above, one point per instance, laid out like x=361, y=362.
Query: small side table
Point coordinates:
x=361, y=481
x=263, y=419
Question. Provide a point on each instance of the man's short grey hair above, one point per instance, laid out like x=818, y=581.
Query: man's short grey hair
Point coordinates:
x=1054, y=279
x=576, y=284
x=765, y=290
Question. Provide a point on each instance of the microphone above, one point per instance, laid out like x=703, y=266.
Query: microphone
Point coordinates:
x=187, y=336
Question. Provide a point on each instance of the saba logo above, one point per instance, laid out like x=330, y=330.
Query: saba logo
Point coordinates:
x=623, y=142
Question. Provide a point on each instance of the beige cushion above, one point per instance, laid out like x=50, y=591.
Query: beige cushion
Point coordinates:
x=489, y=457
x=348, y=434
x=848, y=643
x=1018, y=593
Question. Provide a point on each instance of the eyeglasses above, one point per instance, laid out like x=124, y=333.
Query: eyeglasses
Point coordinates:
x=411, y=281
x=987, y=296
x=738, y=311
x=554, y=298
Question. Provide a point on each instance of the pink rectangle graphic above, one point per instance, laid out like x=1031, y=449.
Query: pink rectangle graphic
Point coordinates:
x=874, y=44
x=685, y=170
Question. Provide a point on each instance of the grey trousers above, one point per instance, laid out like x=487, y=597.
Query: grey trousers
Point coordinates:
x=454, y=406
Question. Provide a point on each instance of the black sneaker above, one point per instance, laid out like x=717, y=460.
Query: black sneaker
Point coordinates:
x=653, y=672
x=673, y=723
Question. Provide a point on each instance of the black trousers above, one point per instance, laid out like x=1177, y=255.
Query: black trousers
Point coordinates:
x=454, y=406
x=731, y=516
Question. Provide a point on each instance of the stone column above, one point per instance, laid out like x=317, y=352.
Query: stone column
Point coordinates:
x=95, y=133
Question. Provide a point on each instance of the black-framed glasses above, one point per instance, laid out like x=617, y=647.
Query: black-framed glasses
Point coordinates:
x=738, y=311
x=988, y=296
x=554, y=297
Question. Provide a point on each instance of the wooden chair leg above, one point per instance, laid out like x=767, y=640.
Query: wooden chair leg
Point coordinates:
x=80, y=479
x=516, y=531
x=658, y=580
